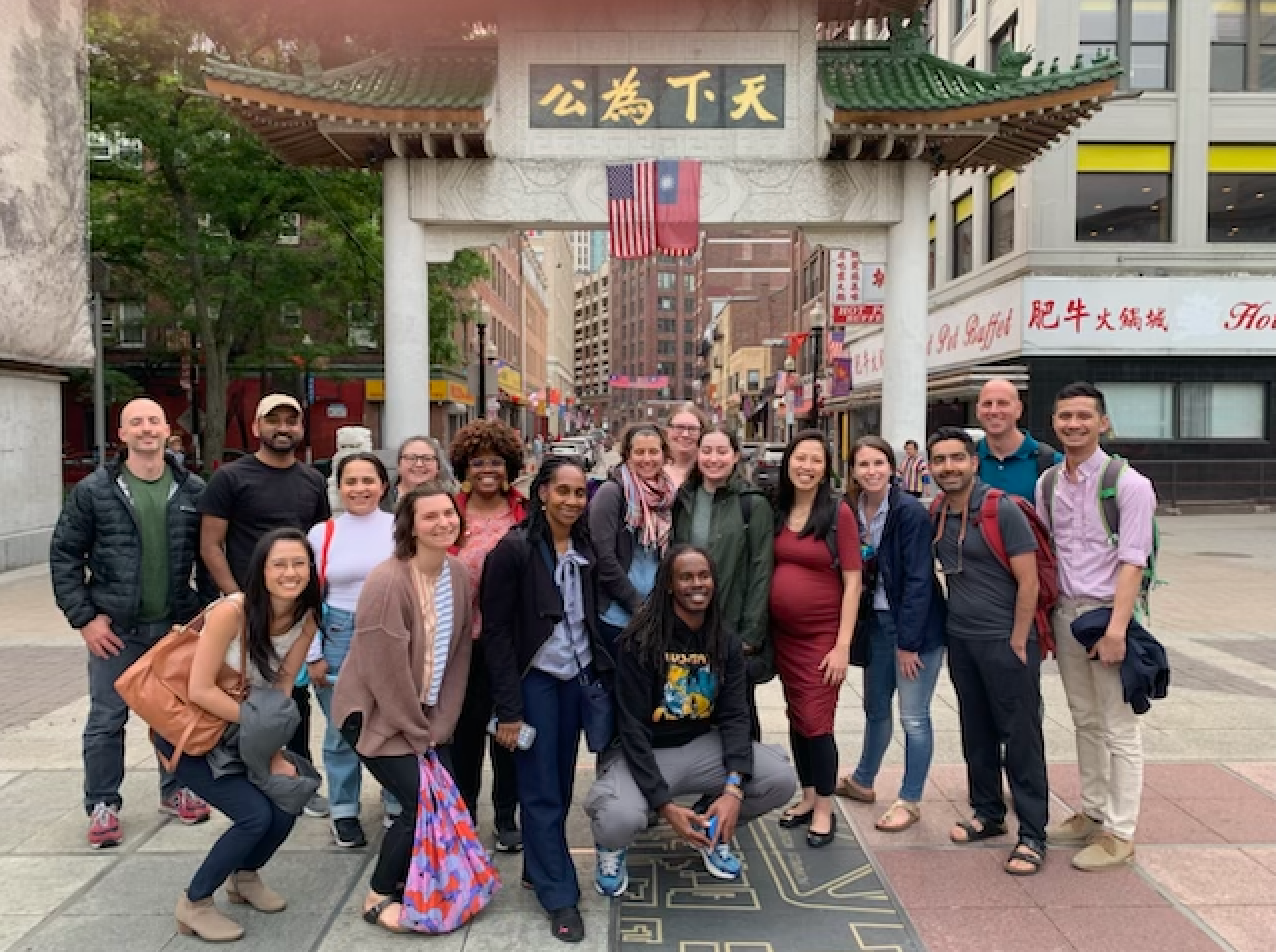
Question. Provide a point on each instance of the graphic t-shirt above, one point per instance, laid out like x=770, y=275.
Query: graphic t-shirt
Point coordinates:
x=255, y=498
x=150, y=503
x=691, y=687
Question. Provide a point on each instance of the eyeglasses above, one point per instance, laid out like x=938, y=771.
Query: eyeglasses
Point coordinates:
x=487, y=462
x=685, y=427
x=942, y=569
x=415, y=459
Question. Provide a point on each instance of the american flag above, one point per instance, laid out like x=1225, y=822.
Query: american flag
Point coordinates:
x=631, y=209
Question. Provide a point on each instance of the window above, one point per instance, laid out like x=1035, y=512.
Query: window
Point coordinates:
x=666, y=280
x=1009, y=33
x=963, y=235
x=290, y=315
x=688, y=349
x=1137, y=32
x=689, y=281
x=1123, y=192
x=666, y=348
x=361, y=329
x=754, y=377
x=130, y=325
x=1242, y=197
x=667, y=325
x=1221, y=411
x=290, y=229
x=688, y=327
x=1243, y=45
x=1140, y=411
x=664, y=303
x=963, y=13
x=689, y=305
x=1001, y=214
x=930, y=264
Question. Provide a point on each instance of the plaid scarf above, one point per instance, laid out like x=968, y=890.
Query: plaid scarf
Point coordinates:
x=648, y=507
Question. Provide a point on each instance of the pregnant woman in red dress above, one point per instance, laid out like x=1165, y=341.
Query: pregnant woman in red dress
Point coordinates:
x=814, y=602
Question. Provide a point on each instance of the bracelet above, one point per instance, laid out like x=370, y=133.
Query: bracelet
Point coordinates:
x=734, y=791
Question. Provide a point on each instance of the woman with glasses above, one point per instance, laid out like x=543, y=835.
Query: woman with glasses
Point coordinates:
x=905, y=628
x=488, y=455
x=686, y=425
x=420, y=461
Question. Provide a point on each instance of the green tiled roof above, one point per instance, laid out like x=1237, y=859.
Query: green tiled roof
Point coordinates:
x=442, y=79
x=892, y=77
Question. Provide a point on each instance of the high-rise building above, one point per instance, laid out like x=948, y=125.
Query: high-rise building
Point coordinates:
x=592, y=365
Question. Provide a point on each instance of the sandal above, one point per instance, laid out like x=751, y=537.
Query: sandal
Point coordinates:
x=1034, y=856
x=848, y=789
x=372, y=916
x=986, y=830
x=913, y=811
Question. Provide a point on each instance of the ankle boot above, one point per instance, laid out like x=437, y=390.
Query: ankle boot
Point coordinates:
x=202, y=919
x=246, y=887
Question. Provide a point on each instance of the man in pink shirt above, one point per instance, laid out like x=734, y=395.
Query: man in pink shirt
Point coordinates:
x=1097, y=571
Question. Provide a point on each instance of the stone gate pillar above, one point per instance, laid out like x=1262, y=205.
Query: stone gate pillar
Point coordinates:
x=407, y=312
x=904, y=330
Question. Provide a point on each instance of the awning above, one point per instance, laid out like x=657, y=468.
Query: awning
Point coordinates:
x=947, y=385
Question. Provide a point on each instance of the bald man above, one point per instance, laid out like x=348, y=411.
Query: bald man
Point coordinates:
x=1009, y=459
x=123, y=561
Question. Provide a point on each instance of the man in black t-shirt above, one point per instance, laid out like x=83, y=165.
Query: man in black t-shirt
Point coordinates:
x=250, y=497
x=994, y=656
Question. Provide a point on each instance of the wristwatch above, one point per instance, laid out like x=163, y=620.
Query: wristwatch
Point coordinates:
x=734, y=780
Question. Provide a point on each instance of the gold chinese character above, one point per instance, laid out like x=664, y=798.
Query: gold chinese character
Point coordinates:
x=751, y=98
x=564, y=100
x=623, y=101
x=692, y=85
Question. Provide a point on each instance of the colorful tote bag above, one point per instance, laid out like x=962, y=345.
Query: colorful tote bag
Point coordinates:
x=450, y=880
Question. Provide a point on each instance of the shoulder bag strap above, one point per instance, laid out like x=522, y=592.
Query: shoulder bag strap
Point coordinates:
x=1049, y=483
x=1109, y=511
x=329, y=529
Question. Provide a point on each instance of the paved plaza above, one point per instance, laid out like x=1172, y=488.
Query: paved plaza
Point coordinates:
x=1205, y=878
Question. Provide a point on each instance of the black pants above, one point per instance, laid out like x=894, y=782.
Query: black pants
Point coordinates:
x=401, y=775
x=300, y=742
x=999, y=704
x=816, y=761
x=755, y=722
x=471, y=739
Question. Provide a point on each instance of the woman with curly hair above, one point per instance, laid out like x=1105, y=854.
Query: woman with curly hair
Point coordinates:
x=487, y=454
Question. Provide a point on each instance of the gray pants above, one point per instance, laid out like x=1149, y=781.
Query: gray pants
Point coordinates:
x=618, y=810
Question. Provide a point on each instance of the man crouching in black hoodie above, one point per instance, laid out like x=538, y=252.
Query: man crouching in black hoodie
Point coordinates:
x=683, y=718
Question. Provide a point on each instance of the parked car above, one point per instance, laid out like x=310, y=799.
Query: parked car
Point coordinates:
x=766, y=465
x=573, y=450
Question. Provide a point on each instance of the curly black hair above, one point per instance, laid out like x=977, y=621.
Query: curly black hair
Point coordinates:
x=487, y=436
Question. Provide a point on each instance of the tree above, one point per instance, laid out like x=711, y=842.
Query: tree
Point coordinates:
x=190, y=210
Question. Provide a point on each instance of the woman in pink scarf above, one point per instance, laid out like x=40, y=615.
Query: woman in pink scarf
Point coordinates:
x=630, y=520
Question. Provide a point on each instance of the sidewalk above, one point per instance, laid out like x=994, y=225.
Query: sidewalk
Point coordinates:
x=1205, y=877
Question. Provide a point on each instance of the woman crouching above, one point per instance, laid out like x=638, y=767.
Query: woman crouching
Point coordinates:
x=403, y=682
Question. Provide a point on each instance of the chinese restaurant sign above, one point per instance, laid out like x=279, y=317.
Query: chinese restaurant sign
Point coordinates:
x=857, y=289
x=657, y=97
x=1137, y=315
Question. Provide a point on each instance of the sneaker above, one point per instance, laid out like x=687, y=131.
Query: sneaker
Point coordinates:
x=721, y=862
x=317, y=806
x=347, y=832
x=388, y=819
x=509, y=841
x=104, y=827
x=186, y=806
x=1076, y=830
x=1106, y=851
x=611, y=878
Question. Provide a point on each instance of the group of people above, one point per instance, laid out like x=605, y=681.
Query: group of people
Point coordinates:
x=449, y=612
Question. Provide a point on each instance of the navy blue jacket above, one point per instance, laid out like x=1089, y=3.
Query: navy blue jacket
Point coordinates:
x=1145, y=672
x=907, y=565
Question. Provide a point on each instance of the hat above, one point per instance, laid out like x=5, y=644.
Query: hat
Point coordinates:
x=273, y=401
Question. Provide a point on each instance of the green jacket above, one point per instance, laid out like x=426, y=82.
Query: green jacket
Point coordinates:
x=742, y=559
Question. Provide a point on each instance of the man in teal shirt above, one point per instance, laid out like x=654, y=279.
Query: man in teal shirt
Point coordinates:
x=1009, y=459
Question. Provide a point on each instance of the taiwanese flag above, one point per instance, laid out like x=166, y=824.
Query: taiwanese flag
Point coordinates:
x=678, y=206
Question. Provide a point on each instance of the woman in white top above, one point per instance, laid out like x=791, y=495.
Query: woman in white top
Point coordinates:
x=278, y=613
x=347, y=549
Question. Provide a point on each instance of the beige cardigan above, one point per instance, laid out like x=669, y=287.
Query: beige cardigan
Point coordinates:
x=383, y=676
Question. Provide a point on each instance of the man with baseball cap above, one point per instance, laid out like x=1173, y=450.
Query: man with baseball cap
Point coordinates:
x=253, y=495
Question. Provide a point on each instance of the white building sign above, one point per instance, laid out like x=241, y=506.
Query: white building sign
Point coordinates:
x=857, y=288
x=986, y=327
x=1149, y=316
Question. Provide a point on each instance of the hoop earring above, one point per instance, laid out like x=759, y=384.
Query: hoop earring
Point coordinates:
x=505, y=485
x=465, y=486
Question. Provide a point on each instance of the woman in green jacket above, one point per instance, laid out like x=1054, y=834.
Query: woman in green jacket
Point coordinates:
x=717, y=510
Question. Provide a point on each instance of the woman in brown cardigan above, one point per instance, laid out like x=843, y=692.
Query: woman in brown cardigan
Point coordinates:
x=402, y=684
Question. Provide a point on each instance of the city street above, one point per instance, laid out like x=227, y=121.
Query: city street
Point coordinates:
x=1205, y=876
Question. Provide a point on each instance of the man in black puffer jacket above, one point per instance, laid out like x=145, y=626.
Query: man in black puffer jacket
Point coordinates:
x=124, y=560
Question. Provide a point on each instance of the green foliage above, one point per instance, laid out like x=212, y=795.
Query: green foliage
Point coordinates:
x=120, y=387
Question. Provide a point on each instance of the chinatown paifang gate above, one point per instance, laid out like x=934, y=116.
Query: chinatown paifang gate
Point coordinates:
x=511, y=129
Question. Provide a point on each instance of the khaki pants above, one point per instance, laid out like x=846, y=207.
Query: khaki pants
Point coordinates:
x=1109, y=738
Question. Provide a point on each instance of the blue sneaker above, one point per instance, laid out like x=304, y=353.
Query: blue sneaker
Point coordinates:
x=612, y=876
x=721, y=862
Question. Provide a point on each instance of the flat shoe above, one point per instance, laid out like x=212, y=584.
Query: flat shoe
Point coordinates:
x=791, y=821
x=848, y=789
x=819, y=840
x=372, y=916
x=911, y=809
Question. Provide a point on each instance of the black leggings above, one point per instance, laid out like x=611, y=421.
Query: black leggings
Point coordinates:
x=816, y=761
x=299, y=744
x=401, y=775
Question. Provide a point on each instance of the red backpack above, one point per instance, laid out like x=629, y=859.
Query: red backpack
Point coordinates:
x=1047, y=566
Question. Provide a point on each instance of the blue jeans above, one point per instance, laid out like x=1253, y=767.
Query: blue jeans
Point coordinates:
x=546, y=774
x=259, y=826
x=340, y=762
x=881, y=680
x=104, y=728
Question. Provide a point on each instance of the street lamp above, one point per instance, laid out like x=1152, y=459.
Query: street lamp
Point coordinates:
x=818, y=320
x=790, y=367
x=480, y=322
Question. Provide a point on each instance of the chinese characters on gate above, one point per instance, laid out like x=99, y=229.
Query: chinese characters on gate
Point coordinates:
x=657, y=97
